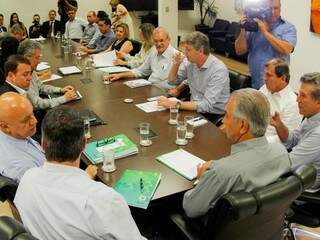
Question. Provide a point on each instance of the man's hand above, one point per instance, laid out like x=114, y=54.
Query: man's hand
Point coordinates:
x=67, y=88
x=83, y=49
x=92, y=171
x=177, y=58
x=275, y=120
x=70, y=95
x=202, y=167
x=263, y=25
x=119, y=62
x=115, y=77
x=174, y=92
x=165, y=102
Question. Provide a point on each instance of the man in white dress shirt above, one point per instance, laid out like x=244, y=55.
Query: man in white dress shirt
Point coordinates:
x=59, y=200
x=281, y=97
x=157, y=64
x=75, y=26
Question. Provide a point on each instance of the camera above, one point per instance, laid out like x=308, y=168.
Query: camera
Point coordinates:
x=258, y=9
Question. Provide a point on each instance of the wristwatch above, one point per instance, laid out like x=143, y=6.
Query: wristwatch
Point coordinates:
x=178, y=104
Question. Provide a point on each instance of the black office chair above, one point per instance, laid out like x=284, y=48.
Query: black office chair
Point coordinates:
x=219, y=30
x=11, y=229
x=238, y=81
x=8, y=190
x=256, y=215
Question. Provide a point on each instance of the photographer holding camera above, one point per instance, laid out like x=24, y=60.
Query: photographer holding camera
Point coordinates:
x=264, y=35
x=34, y=30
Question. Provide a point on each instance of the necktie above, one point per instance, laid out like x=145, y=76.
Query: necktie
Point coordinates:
x=50, y=29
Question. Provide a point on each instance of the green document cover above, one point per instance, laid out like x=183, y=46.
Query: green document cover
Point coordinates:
x=138, y=187
x=120, y=144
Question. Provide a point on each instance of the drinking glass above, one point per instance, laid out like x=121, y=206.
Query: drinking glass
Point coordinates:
x=106, y=78
x=108, y=160
x=86, y=125
x=181, y=133
x=188, y=121
x=174, y=113
x=144, y=134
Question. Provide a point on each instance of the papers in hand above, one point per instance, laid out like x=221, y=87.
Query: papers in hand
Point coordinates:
x=182, y=162
x=137, y=83
x=53, y=77
x=104, y=59
x=115, y=69
x=69, y=70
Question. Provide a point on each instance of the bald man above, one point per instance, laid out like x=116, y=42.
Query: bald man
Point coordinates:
x=18, y=151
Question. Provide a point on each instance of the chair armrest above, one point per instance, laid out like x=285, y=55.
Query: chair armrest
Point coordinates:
x=182, y=223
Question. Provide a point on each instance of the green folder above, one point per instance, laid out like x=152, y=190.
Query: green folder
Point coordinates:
x=120, y=144
x=138, y=187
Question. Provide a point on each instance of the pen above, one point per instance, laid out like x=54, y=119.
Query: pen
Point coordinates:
x=141, y=185
x=197, y=119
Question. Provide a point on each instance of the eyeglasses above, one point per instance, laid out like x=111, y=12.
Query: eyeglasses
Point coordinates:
x=105, y=141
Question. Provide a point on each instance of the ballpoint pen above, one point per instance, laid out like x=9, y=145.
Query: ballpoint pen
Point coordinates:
x=141, y=185
x=197, y=119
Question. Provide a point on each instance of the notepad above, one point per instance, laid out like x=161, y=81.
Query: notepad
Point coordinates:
x=122, y=147
x=104, y=59
x=69, y=70
x=182, y=162
x=149, y=107
x=114, y=69
x=137, y=83
x=138, y=187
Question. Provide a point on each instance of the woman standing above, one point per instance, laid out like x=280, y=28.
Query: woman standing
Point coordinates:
x=123, y=16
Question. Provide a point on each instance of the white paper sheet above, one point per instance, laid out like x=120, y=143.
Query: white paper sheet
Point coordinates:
x=104, y=59
x=69, y=70
x=114, y=69
x=52, y=78
x=137, y=83
x=149, y=107
x=42, y=66
x=182, y=162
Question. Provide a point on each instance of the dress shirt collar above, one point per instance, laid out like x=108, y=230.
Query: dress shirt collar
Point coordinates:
x=207, y=63
x=313, y=121
x=64, y=169
x=168, y=52
x=248, y=144
x=282, y=93
x=18, y=141
x=20, y=90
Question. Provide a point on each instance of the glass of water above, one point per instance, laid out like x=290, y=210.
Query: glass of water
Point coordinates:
x=181, y=133
x=108, y=160
x=86, y=125
x=106, y=78
x=144, y=134
x=174, y=113
x=188, y=121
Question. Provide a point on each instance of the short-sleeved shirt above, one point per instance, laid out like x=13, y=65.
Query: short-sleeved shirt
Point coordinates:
x=260, y=50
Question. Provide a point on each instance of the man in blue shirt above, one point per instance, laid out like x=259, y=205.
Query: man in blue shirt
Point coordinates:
x=18, y=151
x=274, y=39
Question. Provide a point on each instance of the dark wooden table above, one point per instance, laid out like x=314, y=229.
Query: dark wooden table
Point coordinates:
x=107, y=101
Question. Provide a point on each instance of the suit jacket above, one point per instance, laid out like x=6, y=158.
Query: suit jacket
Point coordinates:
x=6, y=87
x=4, y=29
x=46, y=26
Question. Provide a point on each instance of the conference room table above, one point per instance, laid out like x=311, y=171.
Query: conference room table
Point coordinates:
x=120, y=117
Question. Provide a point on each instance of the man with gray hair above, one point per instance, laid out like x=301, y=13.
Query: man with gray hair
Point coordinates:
x=32, y=51
x=206, y=76
x=304, y=141
x=18, y=32
x=157, y=64
x=252, y=163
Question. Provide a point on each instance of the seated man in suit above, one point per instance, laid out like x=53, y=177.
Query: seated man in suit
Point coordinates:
x=281, y=97
x=206, y=76
x=52, y=27
x=253, y=161
x=32, y=51
x=18, y=150
x=157, y=64
x=59, y=200
x=2, y=28
x=17, y=72
x=304, y=141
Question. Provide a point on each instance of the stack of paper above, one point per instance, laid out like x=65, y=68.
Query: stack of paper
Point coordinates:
x=149, y=107
x=69, y=70
x=138, y=187
x=114, y=69
x=122, y=147
x=137, y=83
x=182, y=162
x=104, y=59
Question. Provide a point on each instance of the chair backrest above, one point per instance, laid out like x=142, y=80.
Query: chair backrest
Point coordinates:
x=233, y=31
x=136, y=47
x=237, y=81
x=220, y=25
x=259, y=214
x=10, y=228
x=8, y=189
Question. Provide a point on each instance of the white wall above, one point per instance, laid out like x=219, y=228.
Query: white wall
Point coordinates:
x=304, y=59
